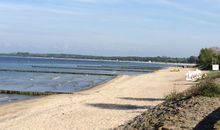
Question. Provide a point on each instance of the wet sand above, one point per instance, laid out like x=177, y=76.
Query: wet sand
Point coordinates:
x=103, y=107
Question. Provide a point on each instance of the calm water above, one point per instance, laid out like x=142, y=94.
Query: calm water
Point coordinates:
x=60, y=75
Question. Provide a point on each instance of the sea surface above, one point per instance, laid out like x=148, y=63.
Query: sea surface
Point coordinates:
x=61, y=75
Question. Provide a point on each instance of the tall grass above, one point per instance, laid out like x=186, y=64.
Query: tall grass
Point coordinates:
x=214, y=74
x=208, y=88
x=172, y=96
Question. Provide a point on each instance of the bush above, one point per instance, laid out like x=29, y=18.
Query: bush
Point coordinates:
x=205, y=59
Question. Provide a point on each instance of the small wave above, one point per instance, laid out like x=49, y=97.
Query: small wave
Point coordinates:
x=69, y=81
x=114, y=72
x=55, y=78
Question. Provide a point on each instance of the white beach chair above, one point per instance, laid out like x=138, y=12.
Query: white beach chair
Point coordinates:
x=193, y=75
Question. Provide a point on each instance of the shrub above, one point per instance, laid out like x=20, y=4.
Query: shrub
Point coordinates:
x=205, y=59
x=207, y=88
x=208, y=56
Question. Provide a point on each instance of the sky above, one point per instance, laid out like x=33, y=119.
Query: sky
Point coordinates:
x=177, y=28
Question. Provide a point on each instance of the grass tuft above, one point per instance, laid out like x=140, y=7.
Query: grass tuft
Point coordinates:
x=174, y=95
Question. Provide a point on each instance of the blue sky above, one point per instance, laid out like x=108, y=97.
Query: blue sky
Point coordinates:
x=110, y=27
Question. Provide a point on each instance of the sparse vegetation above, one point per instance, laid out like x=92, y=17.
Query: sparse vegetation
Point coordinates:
x=174, y=95
x=206, y=87
x=214, y=75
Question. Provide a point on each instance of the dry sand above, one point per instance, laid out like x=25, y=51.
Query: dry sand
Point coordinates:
x=103, y=107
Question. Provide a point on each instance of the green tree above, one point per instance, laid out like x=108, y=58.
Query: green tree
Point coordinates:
x=192, y=59
x=205, y=58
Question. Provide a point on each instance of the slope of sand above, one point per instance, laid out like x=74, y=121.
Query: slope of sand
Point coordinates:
x=102, y=107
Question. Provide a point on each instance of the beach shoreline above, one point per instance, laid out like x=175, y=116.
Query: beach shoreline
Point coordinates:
x=101, y=107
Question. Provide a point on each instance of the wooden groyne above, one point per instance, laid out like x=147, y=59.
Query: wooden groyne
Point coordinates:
x=55, y=72
x=84, y=68
x=31, y=93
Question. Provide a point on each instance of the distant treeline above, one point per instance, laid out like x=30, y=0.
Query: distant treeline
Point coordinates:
x=191, y=59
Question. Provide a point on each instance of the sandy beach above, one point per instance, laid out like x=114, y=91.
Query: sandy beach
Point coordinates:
x=103, y=107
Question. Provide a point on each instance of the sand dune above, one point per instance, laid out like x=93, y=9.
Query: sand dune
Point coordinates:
x=103, y=107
